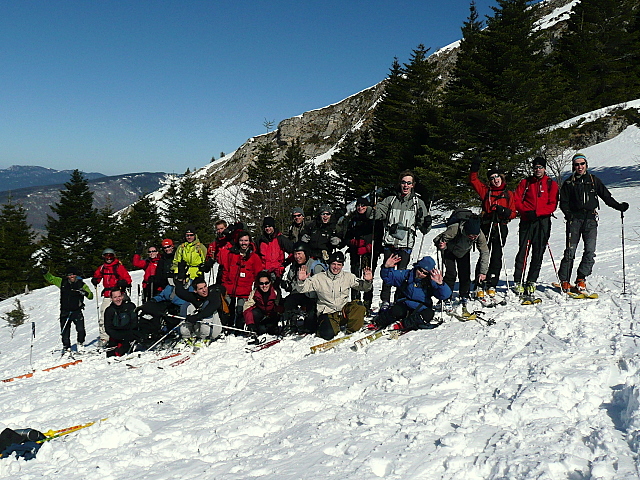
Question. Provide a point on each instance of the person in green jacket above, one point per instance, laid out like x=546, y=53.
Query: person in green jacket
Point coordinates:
x=190, y=256
x=72, y=294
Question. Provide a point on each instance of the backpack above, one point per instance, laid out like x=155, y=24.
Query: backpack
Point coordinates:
x=461, y=215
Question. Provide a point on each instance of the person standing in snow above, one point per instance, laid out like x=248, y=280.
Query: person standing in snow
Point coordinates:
x=149, y=265
x=272, y=248
x=297, y=225
x=333, y=288
x=113, y=276
x=321, y=234
x=403, y=214
x=579, y=204
x=498, y=209
x=190, y=256
x=72, y=294
x=416, y=286
x=536, y=199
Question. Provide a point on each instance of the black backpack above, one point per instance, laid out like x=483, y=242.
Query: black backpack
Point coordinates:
x=461, y=215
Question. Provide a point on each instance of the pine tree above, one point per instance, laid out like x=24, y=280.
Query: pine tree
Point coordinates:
x=260, y=187
x=140, y=226
x=71, y=233
x=170, y=211
x=17, y=247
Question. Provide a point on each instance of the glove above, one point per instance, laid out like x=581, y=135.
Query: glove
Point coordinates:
x=182, y=271
x=364, y=249
x=624, y=206
x=139, y=247
x=77, y=293
x=335, y=241
x=528, y=215
x=44, y=270
x=122, y=284
x=95, y=281
x=425, y=227
x=502, y=212
x=192, y=319
x=475, y=163
x=305, y=238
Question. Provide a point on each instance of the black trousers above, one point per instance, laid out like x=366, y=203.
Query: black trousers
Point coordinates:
x=405, y=255
x=458, y=267
x=533, y=239
x=496, y=239
x=66, y=320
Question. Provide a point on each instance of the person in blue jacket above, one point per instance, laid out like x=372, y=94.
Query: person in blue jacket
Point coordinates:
x=415, y=287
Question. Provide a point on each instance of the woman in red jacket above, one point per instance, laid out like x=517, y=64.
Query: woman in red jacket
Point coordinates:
x=240, y=265
x=263, y=308
x=498, y=209
x=149, y=286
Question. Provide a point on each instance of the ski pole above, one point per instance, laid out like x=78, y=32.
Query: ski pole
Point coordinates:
x=504, y=266
x=624, y=272
x=524, y=264
x=253, y=334
x=33, y=335
x=553, y=261
x=167, y=334
x=373, y=225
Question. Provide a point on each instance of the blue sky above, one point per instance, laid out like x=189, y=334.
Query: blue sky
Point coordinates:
x=119, y=87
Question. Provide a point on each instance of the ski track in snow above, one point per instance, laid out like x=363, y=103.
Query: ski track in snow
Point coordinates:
x=548, y=392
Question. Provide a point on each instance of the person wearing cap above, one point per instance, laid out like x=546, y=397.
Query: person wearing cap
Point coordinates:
x=149, y=265
x=297, y=225
x=333, y=287
x=190, y=256
x=72, y=293
x=416, y=286
x=113, y=275
x=321, y=234
x=498, y=209
x=579, y=204
x=402, y=214
x=536, y=199
x=272, y=248
x=164, y=269
x=358, y=237
x=456, y=243
x=300, y=308
x=239, y=265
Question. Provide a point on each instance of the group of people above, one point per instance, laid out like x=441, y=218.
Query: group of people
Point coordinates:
x=306, y=262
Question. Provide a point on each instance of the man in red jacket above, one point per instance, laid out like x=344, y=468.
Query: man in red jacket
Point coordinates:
x=536, y=199
x=240, y=265
x=113, y=276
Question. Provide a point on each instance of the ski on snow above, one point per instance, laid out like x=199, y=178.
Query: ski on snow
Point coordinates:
x=574, y=293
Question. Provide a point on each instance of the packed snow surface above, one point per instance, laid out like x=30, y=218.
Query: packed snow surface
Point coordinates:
x=548, y=392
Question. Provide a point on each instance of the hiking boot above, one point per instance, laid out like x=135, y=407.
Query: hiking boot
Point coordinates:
x=80, y=347
x=480, y=293
x=384, y=306
x=491, y=291
x=397, y=326
x=581, y=285
x=444, y=305
x=566, y=287
x=518, y=289
x=530, y=288
x=464, y=301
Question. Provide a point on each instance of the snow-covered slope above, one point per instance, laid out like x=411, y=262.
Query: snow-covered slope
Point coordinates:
x=548, y=392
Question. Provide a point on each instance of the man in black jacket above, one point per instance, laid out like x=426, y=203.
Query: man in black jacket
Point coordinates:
x=204, y=322
x=579, y=203
x=121, y=324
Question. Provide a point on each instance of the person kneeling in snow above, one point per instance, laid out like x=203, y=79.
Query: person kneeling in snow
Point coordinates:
x=202, y=320
x=121, y=324
x=415, y=287
x=263, y=308
x=334, y=291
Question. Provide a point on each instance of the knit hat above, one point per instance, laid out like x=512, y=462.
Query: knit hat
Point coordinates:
x=539, y=161
x=190, y=229
x=364, y=201
x=426, y=263
x=325, y=208
x=472, y=226
x=336, y=256
x=268, y=222
x=494, y=170
x=297, y=210
x=578, y=156
x=71, y=270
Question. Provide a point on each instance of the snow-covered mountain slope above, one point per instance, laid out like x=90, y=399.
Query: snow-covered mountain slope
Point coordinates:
x=548, y=392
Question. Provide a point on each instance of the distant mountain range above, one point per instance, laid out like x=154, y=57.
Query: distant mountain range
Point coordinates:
x=119, y=190
x=23, y=176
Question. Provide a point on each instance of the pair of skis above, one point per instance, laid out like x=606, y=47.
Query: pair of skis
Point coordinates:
x=575, y=293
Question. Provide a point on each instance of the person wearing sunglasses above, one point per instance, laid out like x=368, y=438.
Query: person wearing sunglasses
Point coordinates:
x=498, y=209
x=536, y=199
x=113, y=275
x=273, y=248
x=297, y=225
x=579, y=204
x=150, y=286
x=402, y=215
x=321, y=234
x=164, y=269
x=190, y=256
x=417, y=286
x=263, y=309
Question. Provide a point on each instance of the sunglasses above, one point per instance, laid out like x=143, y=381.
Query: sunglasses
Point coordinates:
x=189, y=234
x=297, y=215
x=494, y=176
x=538, y=167
x=579, y=164
x=108, y=255
x=423, y=271
x=167, y=247
x=264, y=283
x=152, y=251
x=325, y=214
x=404, y=182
